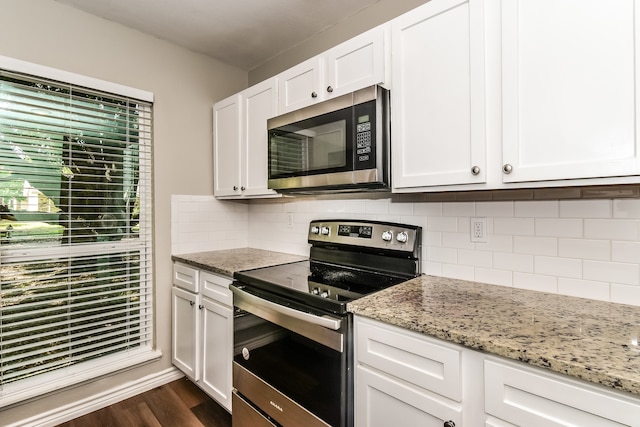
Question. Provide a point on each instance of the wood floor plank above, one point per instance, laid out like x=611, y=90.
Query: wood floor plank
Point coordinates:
x=190, y=393
x=177, y=404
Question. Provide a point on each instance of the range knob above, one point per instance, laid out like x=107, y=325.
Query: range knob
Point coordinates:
x=324, y=294
x=387, y=236
x=315, y=291
x=315, y=230
x=402, y=237
x=324, y=231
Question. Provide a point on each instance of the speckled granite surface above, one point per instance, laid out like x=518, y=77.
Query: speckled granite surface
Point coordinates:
x=227, y=262
x=592, y=340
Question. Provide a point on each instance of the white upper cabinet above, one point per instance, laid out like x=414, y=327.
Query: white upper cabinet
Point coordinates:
x=352, y=65
x=260, y=103
x=226, y=146
x=569, y=73
x=438, y=95
x=240, y=141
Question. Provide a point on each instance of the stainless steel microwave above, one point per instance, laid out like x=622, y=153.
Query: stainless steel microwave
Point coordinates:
x=341, y=144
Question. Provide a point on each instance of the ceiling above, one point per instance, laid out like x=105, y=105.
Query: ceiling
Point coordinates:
x=243, y=33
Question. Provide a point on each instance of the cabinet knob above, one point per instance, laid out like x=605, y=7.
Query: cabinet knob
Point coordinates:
x=507, y=168
x=242, y=188
x=235, y=188
x=329, y=89
x=314, y=95
x=475, y=170
x=192, y=303
x=449, y=424
x=201, y=306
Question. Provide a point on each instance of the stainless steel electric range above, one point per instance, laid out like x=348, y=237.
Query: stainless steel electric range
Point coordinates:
x=293, y=349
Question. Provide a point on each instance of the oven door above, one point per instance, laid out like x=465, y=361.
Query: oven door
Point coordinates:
x=289, y=365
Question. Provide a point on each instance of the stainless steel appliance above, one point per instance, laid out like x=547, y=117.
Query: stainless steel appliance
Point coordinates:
x=293, y=345
x=341, y=144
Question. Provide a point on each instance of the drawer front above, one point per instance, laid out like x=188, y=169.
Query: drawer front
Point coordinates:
x=528, y=397
x=410, y=356
x=383, y=401
x=185, y=277
x=216, y=287
x=244, y=415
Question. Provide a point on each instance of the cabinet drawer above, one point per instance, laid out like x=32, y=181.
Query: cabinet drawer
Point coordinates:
x=216, y=287
x=528, y=397
x=185, y=277
x=410, y=356
x=383, y=401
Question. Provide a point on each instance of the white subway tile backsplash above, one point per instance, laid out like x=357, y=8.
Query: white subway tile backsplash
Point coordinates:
x=585, y=208
x=625, y=252
x=559, y=227
x=513, y=262
x=587, y=248
x=535, y=245
x=495, y=209
x=537, y=209
x=514, y=226
x=612, y=229
x=494, y=277
x=556, y=266
x=475, y=258
x=535, y=282
x=626, y=274
x=625, y=294
x=626, y=208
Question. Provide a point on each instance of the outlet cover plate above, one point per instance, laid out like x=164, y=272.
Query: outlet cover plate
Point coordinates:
x=479, y=230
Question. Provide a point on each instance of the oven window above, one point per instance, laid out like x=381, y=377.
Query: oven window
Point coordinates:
x=307, y=372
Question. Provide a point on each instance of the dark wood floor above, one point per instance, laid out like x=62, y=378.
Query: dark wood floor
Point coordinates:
x=177, y=404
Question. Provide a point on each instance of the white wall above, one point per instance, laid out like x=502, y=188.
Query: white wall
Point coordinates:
x=584, y=248
x=185, y=86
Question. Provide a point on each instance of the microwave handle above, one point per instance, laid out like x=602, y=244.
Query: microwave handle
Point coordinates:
x=323, y=329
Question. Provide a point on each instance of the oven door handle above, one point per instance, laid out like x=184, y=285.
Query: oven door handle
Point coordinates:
x=322, y=329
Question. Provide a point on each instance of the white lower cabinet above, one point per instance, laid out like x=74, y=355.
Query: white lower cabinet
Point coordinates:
x=202, y=330
x=530, y=397
x=409, y=379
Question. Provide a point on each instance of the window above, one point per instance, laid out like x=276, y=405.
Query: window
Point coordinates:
x=75, y=233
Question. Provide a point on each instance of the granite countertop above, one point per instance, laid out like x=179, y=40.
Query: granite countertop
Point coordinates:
x=592, y=340
x=228, y=261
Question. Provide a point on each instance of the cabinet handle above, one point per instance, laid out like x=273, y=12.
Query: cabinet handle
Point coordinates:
x=192, y=303
x=507, y=168
x=475, y=170
x=235, y=188
x=201, y=306
x=449, y=424
x=329, y=89
x=242, y=188
x=314, y=95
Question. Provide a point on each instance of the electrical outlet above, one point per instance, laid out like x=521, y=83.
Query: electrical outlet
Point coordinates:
x=479, y=230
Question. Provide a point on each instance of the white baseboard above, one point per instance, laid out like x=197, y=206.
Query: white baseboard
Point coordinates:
x=98, y=401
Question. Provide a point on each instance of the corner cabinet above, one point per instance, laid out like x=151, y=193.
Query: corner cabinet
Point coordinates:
x=202, y=330
x=240, y=142
x=423, y=381
x=438, y=98
x=570, y=98
x=352, y=65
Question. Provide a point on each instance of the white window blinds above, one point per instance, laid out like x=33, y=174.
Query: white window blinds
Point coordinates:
x=75, y=229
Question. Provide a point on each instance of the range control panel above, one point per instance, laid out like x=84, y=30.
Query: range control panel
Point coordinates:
x=372, y=234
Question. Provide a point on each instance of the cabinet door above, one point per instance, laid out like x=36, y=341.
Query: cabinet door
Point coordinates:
x=185, y=333
x=226, y=147
x=217, y=351
x=383, y=401
x=260, y=103
x=438, y=99
x=300, y=85
x=569, y=71
x=356, y=63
